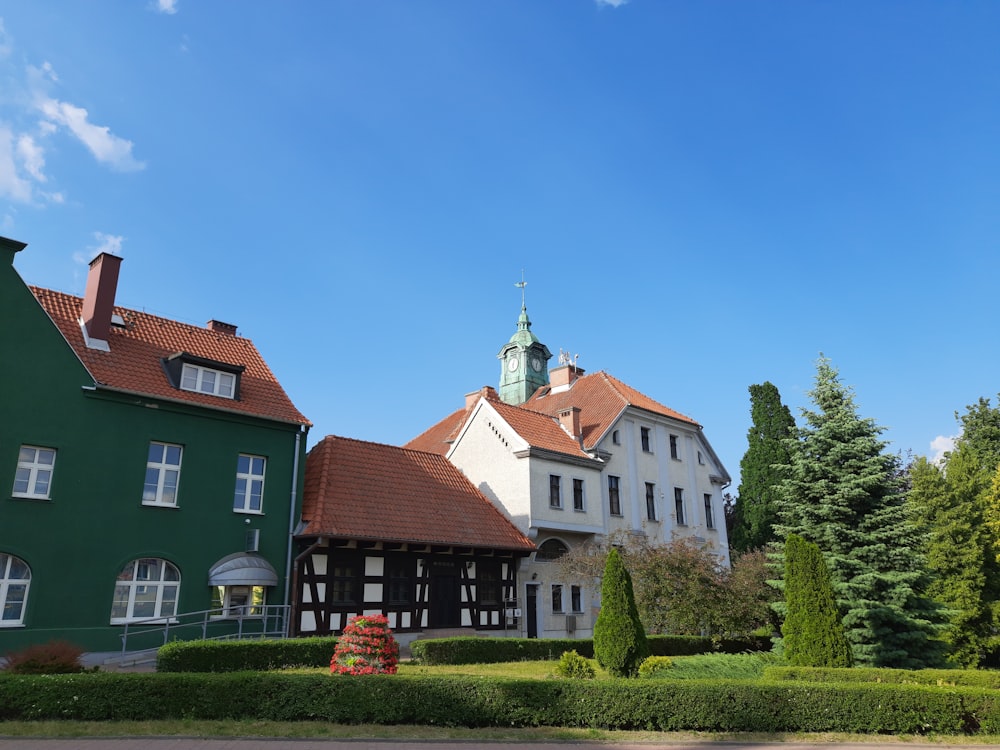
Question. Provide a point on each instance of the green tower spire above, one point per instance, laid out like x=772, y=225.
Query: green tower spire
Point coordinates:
x=524, y=360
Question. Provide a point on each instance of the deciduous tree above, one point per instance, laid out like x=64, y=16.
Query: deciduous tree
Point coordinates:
x=956, y=506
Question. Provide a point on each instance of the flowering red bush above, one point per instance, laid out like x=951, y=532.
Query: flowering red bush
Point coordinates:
x=366, y=647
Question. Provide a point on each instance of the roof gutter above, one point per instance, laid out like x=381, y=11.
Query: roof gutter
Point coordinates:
x=293, y=497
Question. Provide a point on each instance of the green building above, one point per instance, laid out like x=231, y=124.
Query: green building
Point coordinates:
x=150, y=470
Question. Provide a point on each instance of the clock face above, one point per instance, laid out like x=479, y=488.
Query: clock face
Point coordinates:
x=536, y=364
x=512, y=365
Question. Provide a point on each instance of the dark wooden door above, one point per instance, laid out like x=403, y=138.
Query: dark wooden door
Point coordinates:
x=531, y=610
x=445, y=609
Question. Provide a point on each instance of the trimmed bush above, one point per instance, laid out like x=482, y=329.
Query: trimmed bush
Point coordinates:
x=619, y=638
x=697, y=705
x=574, y=666
x=237, y=656
x=466, y=650
x=54, y=657
x=655, y=665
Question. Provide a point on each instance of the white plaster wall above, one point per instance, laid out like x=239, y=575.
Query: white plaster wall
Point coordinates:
x=544, y=516
x=485, y=455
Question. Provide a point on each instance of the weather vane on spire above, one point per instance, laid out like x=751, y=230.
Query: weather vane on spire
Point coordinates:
x=521, y=284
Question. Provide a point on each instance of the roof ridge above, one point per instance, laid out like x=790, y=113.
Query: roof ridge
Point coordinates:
x=152, y=316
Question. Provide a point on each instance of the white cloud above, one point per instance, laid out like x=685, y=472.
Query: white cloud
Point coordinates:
x=108, y=243
x=32, y=156
x=611, y=3
x=106, y=147
x=166, y=6
x=12, y=185
x=6, y=46
x=940, y=445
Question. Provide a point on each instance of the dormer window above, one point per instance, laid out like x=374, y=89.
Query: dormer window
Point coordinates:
x=188, y=372
x=207, y=380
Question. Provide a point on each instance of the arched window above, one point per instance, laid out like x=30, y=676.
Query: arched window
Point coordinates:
x=15, y=576
x=146, y=588
x=550, y=549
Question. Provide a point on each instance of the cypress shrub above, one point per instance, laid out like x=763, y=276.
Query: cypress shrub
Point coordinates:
x=619, y=639
x=813, y=633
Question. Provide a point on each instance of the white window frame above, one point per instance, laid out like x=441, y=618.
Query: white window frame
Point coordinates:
x=198, y=379
x=675, y=449
x=576, y=599
x=709, y=512
x=646, y=439
x=577, y=482
x=680, y=512
x=615, y=496
x=247, y=482
x=558, y=606
x=33, y=472
x=651, y=502
x=129, y=586
x=228, y=602
x=164, y=470
x=555, y=492
x=18, y=584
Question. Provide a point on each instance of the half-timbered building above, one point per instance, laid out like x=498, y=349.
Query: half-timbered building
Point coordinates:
x=402, y=533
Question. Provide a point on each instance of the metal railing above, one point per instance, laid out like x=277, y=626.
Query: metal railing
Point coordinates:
x=266, y=621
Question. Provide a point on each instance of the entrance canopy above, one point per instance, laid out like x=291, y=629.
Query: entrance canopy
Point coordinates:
x=242, y=569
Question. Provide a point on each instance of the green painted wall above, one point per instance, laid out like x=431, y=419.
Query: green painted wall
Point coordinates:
x=94, y=522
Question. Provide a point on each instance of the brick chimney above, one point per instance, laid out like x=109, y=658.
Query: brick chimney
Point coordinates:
x=217, y=326
x=487, y=392
x=99, y=299
x=564, y=376
x=569, y=418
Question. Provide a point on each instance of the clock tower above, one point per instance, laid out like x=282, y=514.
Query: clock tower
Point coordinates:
x=524, y=362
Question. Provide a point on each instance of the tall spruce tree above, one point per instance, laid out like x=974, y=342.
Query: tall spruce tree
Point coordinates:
x=813, y=633
x=955, y=505
x=756, y=508
x=845, y=493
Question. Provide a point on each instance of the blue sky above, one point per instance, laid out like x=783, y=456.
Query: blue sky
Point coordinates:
x=701, y=194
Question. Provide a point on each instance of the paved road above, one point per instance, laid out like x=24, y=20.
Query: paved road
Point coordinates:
x=188, y=743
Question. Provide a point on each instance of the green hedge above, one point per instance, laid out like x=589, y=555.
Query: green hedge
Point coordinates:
x=238, y=656
x=491, y=650
x=720, y=705
x=939, y=677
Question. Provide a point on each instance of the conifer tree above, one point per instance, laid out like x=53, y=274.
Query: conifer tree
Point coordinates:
x=767, y=453
x=620, y=644
x=813, y=633
x=845, y=493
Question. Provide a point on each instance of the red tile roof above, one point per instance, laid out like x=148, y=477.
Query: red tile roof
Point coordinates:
x=540, y=430
x=369, y=491
x=601, y=399
x=133, y=363
x=439, y=437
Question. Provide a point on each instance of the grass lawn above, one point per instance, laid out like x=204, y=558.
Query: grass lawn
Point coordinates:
x=702, y=666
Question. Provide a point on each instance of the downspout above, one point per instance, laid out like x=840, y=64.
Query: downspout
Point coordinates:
x=291, y=530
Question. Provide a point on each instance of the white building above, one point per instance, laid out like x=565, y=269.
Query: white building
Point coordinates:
x=580, y=458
